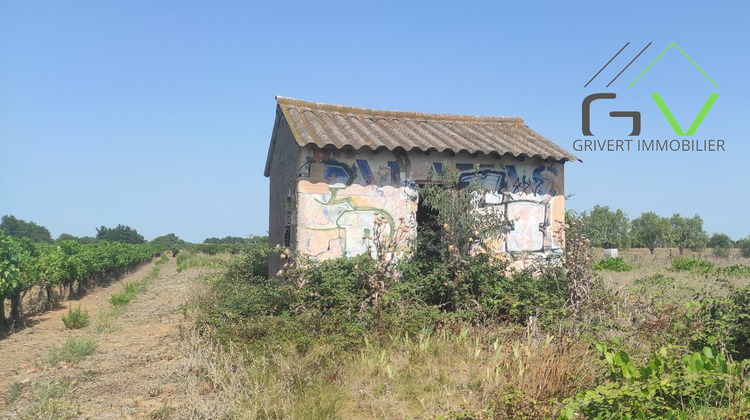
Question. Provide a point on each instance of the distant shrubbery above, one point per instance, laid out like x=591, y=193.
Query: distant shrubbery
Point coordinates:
x=17, y=228
x=121, y=233
x=612, y=264
x=692, y=264
x=234, y=240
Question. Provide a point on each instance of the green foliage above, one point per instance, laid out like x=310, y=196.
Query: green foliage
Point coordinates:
x=688, y=233
x=255, y=262
x=337, y=302
x=694, y=264
x=169, y=241
x=121, y=233
x=26, y=264
x=214, y=248
x=721, y=244
x=16, y=390
x=651, y=231
x=128, y=292
x=12, y=255
x=76, y=319
x=744, y=246
x=121, y=298
x=191, y=259
x=605, y=228
x=182, y=261
x=464, y=223
x=657, y=281
x=704, y=384
x=236, y=240
x=73, y=350
x=482, y=290
x=707, y=268
x=727, y=318
x=80, y=239
x=17, y=228
x=260, y=311
x=612, y=264
x=739, y=270
x=163, y=412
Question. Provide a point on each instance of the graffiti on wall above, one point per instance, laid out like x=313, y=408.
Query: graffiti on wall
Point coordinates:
x=541, y=181
x=525, y=202
x=338, y=221
x=341, y=198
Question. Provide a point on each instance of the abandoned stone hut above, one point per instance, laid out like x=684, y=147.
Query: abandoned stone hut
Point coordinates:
x=335, y=169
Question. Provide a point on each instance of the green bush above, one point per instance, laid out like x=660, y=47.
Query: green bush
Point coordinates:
x=726, y=318
x=254, y=262
x=704, y=384
x=75, y=319
x=612, y=264
x=694, y=264
x=479, y=288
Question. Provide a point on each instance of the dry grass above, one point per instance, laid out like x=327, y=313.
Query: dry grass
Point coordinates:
x=186, y=260
x=686, y=284
x=474, y=372
x=649, y=298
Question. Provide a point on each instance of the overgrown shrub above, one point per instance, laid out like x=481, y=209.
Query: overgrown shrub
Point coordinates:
x=332, y=301
x=725, y=318
x=463, y=223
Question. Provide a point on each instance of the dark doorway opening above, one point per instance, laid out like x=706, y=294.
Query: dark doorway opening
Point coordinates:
x=429, y=232
x=426, y=216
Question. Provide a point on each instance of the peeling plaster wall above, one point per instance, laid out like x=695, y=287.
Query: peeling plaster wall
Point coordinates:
x=340, y=193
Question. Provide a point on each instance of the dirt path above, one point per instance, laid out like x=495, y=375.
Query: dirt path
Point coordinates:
x=134, y=372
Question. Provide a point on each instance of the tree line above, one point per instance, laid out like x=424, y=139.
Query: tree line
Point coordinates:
x=17, y=228
x=613, y=229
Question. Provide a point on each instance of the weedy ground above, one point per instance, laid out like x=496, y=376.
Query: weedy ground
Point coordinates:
x=188, y=345
x=455, y=368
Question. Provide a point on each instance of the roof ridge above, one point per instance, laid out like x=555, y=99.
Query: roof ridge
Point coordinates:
x=330, y=109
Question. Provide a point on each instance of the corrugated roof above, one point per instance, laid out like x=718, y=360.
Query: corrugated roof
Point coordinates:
x=345, y=126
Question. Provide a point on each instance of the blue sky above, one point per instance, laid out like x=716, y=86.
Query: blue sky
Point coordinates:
x=158, y=115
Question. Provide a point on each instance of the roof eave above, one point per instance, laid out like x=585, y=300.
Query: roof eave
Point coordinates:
x=272, y=147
